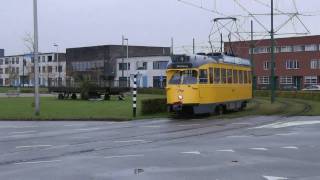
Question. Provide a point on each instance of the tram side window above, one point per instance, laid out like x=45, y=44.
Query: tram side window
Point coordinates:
x=245, y=77
x=211, y=75
x=189, y=77
x=216, y=75
x=229, y=75
x=240, y=77
x=203, y=76
x=250, y=77
x=223, y=76
x=235, y=76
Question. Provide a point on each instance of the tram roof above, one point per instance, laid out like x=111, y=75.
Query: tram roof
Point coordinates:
x=196, y=60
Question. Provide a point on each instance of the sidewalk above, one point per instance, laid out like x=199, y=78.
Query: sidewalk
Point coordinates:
x=4, y=95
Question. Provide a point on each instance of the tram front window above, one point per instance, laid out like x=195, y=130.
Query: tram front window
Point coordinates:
x=184, y=77
x=189, y=77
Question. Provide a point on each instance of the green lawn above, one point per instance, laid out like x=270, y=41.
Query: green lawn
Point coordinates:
x=51, y=108
x=20, y=108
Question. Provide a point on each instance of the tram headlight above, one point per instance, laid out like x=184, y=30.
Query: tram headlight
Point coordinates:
x=180, y=97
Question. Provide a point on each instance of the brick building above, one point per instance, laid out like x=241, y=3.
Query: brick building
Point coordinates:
x=297, y=61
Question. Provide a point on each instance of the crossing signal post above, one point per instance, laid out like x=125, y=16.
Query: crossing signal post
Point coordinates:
x=134, y=96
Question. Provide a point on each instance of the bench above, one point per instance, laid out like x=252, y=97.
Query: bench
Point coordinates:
x=13, y=93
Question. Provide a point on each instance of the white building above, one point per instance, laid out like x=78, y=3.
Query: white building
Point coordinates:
x=151, y=70
x=18, y=70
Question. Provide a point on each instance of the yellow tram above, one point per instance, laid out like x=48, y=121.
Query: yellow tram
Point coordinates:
x=210, y=83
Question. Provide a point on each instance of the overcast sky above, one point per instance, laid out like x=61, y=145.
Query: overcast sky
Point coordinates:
x=77, y=23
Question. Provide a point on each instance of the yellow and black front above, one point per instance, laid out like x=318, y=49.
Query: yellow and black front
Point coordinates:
x=207, y=84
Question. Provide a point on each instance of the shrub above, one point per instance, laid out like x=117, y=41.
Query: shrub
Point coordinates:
x=152, y=106
x=291, y=94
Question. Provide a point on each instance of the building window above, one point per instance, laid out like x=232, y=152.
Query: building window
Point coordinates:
x=6, y=61
x=298, y=48
x=286, y=80
x=124, y=66
x=17, y=60
x=159, y=81
x=43, y=69
x=310, y=79
x=59, y=69
x=49, y=69
x=17, y=70
x=1, y=61
x=266, y=65
x=263, y=80
x=49, y=58
x=286, y=49
x=292, y=64
x=6, y=70
x=203, y=76
x=43, y=58
x=311, y=47
x=1, y=71
x=160, y=64
x=315, y=64
x=142, y=65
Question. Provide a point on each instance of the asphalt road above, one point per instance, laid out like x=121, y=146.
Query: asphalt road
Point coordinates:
x=271, y=148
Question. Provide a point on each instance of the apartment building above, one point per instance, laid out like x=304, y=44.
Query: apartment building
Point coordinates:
x=18, y=70
x=297, y=61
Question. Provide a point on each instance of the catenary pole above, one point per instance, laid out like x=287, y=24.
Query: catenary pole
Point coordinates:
x=272, y=58
x=251, y=58
x=36, y=66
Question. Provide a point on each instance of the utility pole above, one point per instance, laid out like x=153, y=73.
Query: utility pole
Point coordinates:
x=35, y=56
x=272, y=57
x=172, y=46
x=122, y=61
x=251, y=58
x=193, y=46
x=57, y=52
x=221, y=43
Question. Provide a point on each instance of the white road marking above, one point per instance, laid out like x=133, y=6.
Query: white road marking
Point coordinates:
x=288, y=124
x=124, y=156
x=73, y=125
x=87, y=129
x=37, y=162
x=259, y=149
x=290, y=147
x=129, y=141
x=23, y=132
x=225, y=150
x=151, y=126
x=286, y=134
x=187, y=125
x=274, y=178
x=191, y=152
x=33, y=146
x=17, y=127
x=240, y=136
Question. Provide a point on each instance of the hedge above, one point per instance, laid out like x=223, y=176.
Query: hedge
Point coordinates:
x=153, y=106
x=151, y=91
x=307, y=95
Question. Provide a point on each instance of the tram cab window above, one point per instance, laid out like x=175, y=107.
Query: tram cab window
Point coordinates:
x=189, y=77
x=211, y=75
x=203, y=76
x=216, y=75
x=245, y=77
x=241, y=77
x=235, y=76
x=229, y=75
x=176, y=78
x=223, y=76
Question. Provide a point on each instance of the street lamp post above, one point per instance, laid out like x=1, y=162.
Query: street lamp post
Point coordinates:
x=272, y=57
x=36, y=66
x=57, y=52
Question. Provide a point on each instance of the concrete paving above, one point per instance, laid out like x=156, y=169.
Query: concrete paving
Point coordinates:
x=271, y=148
